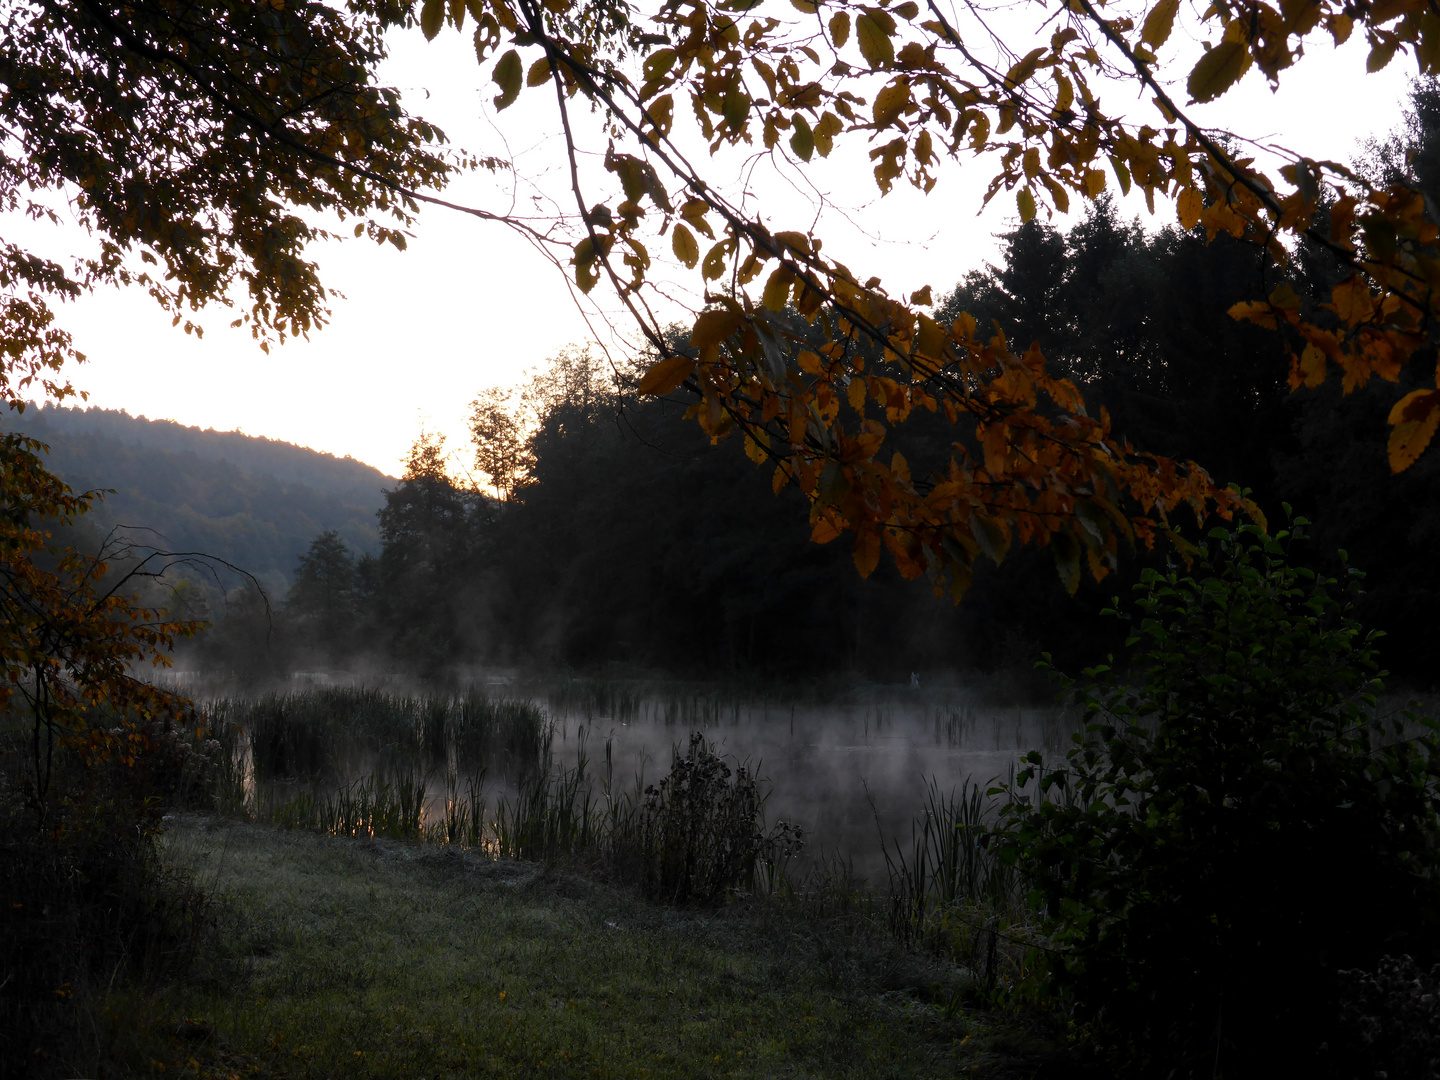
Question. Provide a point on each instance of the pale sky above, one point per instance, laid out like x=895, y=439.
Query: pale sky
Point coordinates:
x=470, y=305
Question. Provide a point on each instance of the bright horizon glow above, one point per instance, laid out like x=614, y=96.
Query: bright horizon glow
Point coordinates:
x=469, y=305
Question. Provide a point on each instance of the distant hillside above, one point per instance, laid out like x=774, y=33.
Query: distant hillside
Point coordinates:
x=254, y=502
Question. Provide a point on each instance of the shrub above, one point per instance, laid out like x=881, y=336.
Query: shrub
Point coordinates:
x=1236, y=825
x=1392, y=1018
x=86, y=904
x=700, y=835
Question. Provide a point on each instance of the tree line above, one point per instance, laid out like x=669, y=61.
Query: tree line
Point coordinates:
x=597, y=526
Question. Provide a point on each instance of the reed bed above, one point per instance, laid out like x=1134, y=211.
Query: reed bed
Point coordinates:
x=338, y=732
x=299, y=761
x=951, y=893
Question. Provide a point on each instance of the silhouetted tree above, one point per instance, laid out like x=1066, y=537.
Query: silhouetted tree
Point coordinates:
x=322, y=610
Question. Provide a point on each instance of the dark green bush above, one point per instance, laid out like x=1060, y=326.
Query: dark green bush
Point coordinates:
x=1391, y=1017
x=1236, y=826
x=86, y=903
x=701, y=836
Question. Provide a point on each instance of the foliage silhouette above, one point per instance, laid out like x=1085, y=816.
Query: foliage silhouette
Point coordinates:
x=1239, y=826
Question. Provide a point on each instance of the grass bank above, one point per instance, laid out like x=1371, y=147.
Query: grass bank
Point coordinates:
x=360, y=958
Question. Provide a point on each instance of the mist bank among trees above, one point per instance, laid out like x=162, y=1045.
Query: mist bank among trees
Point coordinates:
x=609, y=531
x=593, y=527
x=599, y=528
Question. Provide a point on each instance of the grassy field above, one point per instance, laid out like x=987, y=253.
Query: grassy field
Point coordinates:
x=359, y=958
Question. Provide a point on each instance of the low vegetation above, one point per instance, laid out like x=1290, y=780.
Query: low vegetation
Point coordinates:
x=380, y=958
x=1234, y=865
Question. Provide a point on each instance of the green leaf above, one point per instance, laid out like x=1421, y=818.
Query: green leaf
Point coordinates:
x=508, y=75
x=991, y=537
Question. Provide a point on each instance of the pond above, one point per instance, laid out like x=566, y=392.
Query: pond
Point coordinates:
x=848, y=769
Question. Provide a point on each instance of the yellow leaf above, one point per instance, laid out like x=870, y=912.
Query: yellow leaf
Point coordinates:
x=1380, y=56
x=1026, y=202
x=825, y=530
x=539, y=72
x=1256, y=311
x=855, y=393
x=667, y=375
x=875, y=46
x=890, y=102
x=1122, y=174
x=907, y=10
x=922, y=297
x=1024, y=68
x=1256, y=514
x=1413, y=421
x=1312, y=366
x=682, y=242
x=432, y=18
x=713, y=327
x=1188, y=208
x=830, y=125
x=661, y=113
x=586, y=273
x=777, y=288
x=809, y=7
x=714, y=264
x=866, y=551
x=694, y=212
x=795, y=241
x=931, y=339
x=507, y=75
x=802, y=139
x=1094, y=182
x=657, y=64
x=1218, y=70
x=1030, y=163
x=900, y=467
x=755, y=445
x=840, y=28
x=1157, y=26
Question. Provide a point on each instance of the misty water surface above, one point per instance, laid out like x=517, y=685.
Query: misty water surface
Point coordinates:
x=844, y=771
x=847, y=770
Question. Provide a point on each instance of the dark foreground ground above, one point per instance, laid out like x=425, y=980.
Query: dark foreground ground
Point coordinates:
x=356, y=958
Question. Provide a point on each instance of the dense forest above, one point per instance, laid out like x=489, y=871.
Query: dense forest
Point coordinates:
x=253, y=502
x=614, y=533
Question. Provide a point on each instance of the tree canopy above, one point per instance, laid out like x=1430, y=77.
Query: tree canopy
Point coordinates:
x=1028, y=461
x=204, y=146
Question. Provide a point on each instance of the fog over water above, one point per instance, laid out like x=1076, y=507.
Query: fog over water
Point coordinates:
x=847, y=769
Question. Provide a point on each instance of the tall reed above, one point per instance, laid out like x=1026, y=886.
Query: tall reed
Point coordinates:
x=950, y=892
